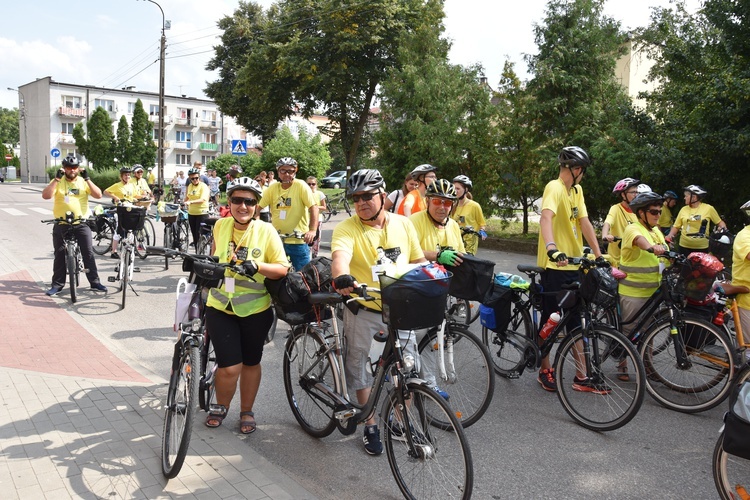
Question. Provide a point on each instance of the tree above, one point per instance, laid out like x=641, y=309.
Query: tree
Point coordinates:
x=701, y=108
x=311, y=55
x=122, y=143
x=311, y=154
x=98, y=147
x=250, y=164
x=141, y=149
x=9, y=131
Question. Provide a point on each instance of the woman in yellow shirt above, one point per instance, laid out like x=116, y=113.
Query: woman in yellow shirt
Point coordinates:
x=468, y=213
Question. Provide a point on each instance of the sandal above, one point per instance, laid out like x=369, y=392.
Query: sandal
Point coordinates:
x=247, y=427
x=622, y=373
x=216, y=415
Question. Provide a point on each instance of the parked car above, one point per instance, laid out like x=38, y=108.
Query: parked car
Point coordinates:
x=336, y=180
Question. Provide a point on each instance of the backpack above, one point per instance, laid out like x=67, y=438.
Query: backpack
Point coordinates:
x=737, y=423
x=290, y=293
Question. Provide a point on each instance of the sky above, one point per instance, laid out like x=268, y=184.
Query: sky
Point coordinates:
x=115, y=43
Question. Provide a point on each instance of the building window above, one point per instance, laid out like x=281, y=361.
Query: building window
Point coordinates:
x=183, y=113
x=183, y=159
x=69, y=101
x=131, y=108
x=67, y=128
x=209, y=138
x=206, y=159
x=155, y=134
x=107, y=104
x=153, y=110
x=184, y=136
x=209, y=115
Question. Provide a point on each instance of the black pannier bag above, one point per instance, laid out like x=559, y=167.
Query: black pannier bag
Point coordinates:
x=737, y=423
x=472, y=279
x=290, y=293
x=499, y=298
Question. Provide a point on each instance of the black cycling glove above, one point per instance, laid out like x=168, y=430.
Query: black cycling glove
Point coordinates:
x=250, y=267
x=60, y=173
x=602, y=262
x=556, y=255
x=343, y=281
x=84, y=174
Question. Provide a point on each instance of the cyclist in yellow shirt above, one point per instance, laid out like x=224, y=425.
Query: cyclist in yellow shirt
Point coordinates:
x=619, y=216
x=196, y=199
x=142, y=191
x=694, y=221
x=122, y=191
x=362, y=246
x=741, y=271
x=666, y=219
x=468, y=213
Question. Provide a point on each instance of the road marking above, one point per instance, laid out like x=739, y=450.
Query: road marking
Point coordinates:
x=42, y=211
x=12, y=211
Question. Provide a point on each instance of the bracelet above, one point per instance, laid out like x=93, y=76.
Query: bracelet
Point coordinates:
x=548, y=244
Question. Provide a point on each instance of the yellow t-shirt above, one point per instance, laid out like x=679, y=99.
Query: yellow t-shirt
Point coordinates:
x=434, y=238
x=618, y=218
x=141, y=187
x=289, y=207
x=197, y=191
x=689, y=221
x=741, y=267
x=71, y=196
x=470, y=215
x=633, y=255
x=569, y=208
x=396, y=243
x=124, y=192
x=665, y=219
x=151, y=177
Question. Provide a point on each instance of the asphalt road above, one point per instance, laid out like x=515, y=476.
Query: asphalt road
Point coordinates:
x=526, y=446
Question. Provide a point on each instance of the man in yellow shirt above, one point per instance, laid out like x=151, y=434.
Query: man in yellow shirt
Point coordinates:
x=196, y=199
x=563, y=223
x=694, y=222
x=468, y=213
x=362, y=246
x=414, y=200
x=122, y=191
x=666, y=219
x=293, y=208
x=741, y=271
x=70, y=190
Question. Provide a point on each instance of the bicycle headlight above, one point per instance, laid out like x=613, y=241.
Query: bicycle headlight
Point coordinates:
x=195, y=325
x=409, y=362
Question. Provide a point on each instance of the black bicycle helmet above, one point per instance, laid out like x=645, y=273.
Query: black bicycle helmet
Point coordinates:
x=125, y=170
x=422, y=170
x=442, y=188
x=71, y=161
x=645, y=200
x=288, y=161
x=463, y=179
x=573, y=156
x=671, y=194
x=244, y=184
x=364, y=180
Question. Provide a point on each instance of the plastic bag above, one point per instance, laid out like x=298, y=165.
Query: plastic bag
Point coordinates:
x=182, y=302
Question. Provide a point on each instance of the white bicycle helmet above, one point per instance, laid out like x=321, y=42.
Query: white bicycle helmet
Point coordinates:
x=643, y=188
x=244, y=184
x=696, y=190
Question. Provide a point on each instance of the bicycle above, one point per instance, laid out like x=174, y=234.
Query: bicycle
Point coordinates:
x=103, y=230
x=176, y=228
x=336, y=204
x=193, y=366
x=424, y=441
x=593, y=348
x=469, y=231
x=206, y=238
x=73, y=258
x=731, y=473
x=131, y=219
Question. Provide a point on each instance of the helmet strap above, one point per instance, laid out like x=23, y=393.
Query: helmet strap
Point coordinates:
x=441, y=224
x=382, y=204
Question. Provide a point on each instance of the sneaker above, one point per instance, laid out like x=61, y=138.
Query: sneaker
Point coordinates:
x=588, y=385
x=373, y=446
x=398, y=433
x=54, y=290
x=442, y=393
x=115, y=255
x=98, y=287
x=547, y=379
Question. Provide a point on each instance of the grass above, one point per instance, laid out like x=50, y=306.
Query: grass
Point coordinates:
x=500, y=228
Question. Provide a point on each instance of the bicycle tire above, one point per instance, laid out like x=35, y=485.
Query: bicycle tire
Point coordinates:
x=325, y=215
x=179, y=412
x=729, y=472
x=183, y=235
x=462, y=311
x=471, y=380
x=168, y=242
x=204, y=244
x=702, y=385
x=102, y=240
x=308, y=361
x=207, y=393
x=434, y=462
x=71, y=262
x=126, y=263
x=510, y=350
x=347, y=207
x=141, y=242
x=150, y=229
x=600, y=412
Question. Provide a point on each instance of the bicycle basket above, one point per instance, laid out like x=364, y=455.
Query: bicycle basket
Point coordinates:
x=697, y=278
x=413, y=302
x=599, y=287
x=131, y=218
x=168, y=212
x=204, y=274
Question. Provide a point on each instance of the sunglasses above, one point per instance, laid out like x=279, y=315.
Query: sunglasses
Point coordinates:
x=287, y=172
x=239, y=200
x=654, y=211
x=194, y=178
x=356, y=198
x=311, y=184
x=440, y=201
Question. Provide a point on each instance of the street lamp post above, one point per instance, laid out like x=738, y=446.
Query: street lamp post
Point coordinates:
x=161, y=94
x=22, y=111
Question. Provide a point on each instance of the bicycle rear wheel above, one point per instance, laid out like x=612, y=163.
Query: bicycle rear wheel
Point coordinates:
x=204, y=244
x=307, y=362
x=509, y=350
x=731, y=473
x=183, y=236
x=102, y=239
x=179, y=412
x=470, y=380
x=704, y=381
x=71, y=262
x=207, y=394
x=427, y=460
x=608, y=402
x=168, y=242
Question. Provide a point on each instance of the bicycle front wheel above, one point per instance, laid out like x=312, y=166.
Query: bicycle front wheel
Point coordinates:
x=308, y=362
x=183, y=236
x=591, y=383
x=126, y=269
x=731, y=473
x=510, y=349
x=168, y=242
x=102, y=239
x=427, y=460
x=71, y=262
x=207, y=395
x=178, y=412
x=704, y=380
x=469, y=382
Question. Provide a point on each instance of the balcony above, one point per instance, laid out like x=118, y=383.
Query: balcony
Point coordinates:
x=65, y=139
x=184, y=122
x=155, y=119
x=207, y=146
x=183, y=145
x=72, y=112
x=209, y=124
x=167, y=144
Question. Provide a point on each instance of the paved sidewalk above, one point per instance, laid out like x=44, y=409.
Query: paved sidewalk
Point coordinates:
x=76, y=421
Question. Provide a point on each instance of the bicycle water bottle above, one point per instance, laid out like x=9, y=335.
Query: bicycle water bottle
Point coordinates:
x=549, y=326
x=376, y=350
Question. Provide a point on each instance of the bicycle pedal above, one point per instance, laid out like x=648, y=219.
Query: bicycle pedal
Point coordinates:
x=111, y=279
x=136, y=269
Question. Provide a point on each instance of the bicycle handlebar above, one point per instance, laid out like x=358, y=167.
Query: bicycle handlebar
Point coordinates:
x=169, y=252
x=65, y=220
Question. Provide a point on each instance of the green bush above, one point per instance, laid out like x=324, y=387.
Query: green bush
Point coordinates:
x=249, y=163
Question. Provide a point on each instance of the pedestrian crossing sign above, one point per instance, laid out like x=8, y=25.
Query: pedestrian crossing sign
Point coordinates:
x=239, y=147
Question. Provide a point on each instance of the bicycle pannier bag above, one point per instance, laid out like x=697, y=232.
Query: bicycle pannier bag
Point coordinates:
x=498, y=300
x=472, y=279
x=599, y=287
x=737, y=423
x=290, y=293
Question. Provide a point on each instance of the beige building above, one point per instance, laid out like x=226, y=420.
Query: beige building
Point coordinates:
x=631, y=70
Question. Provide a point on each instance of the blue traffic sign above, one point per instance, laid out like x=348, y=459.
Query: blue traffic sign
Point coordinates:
x=55, y=153
x=239, y=147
